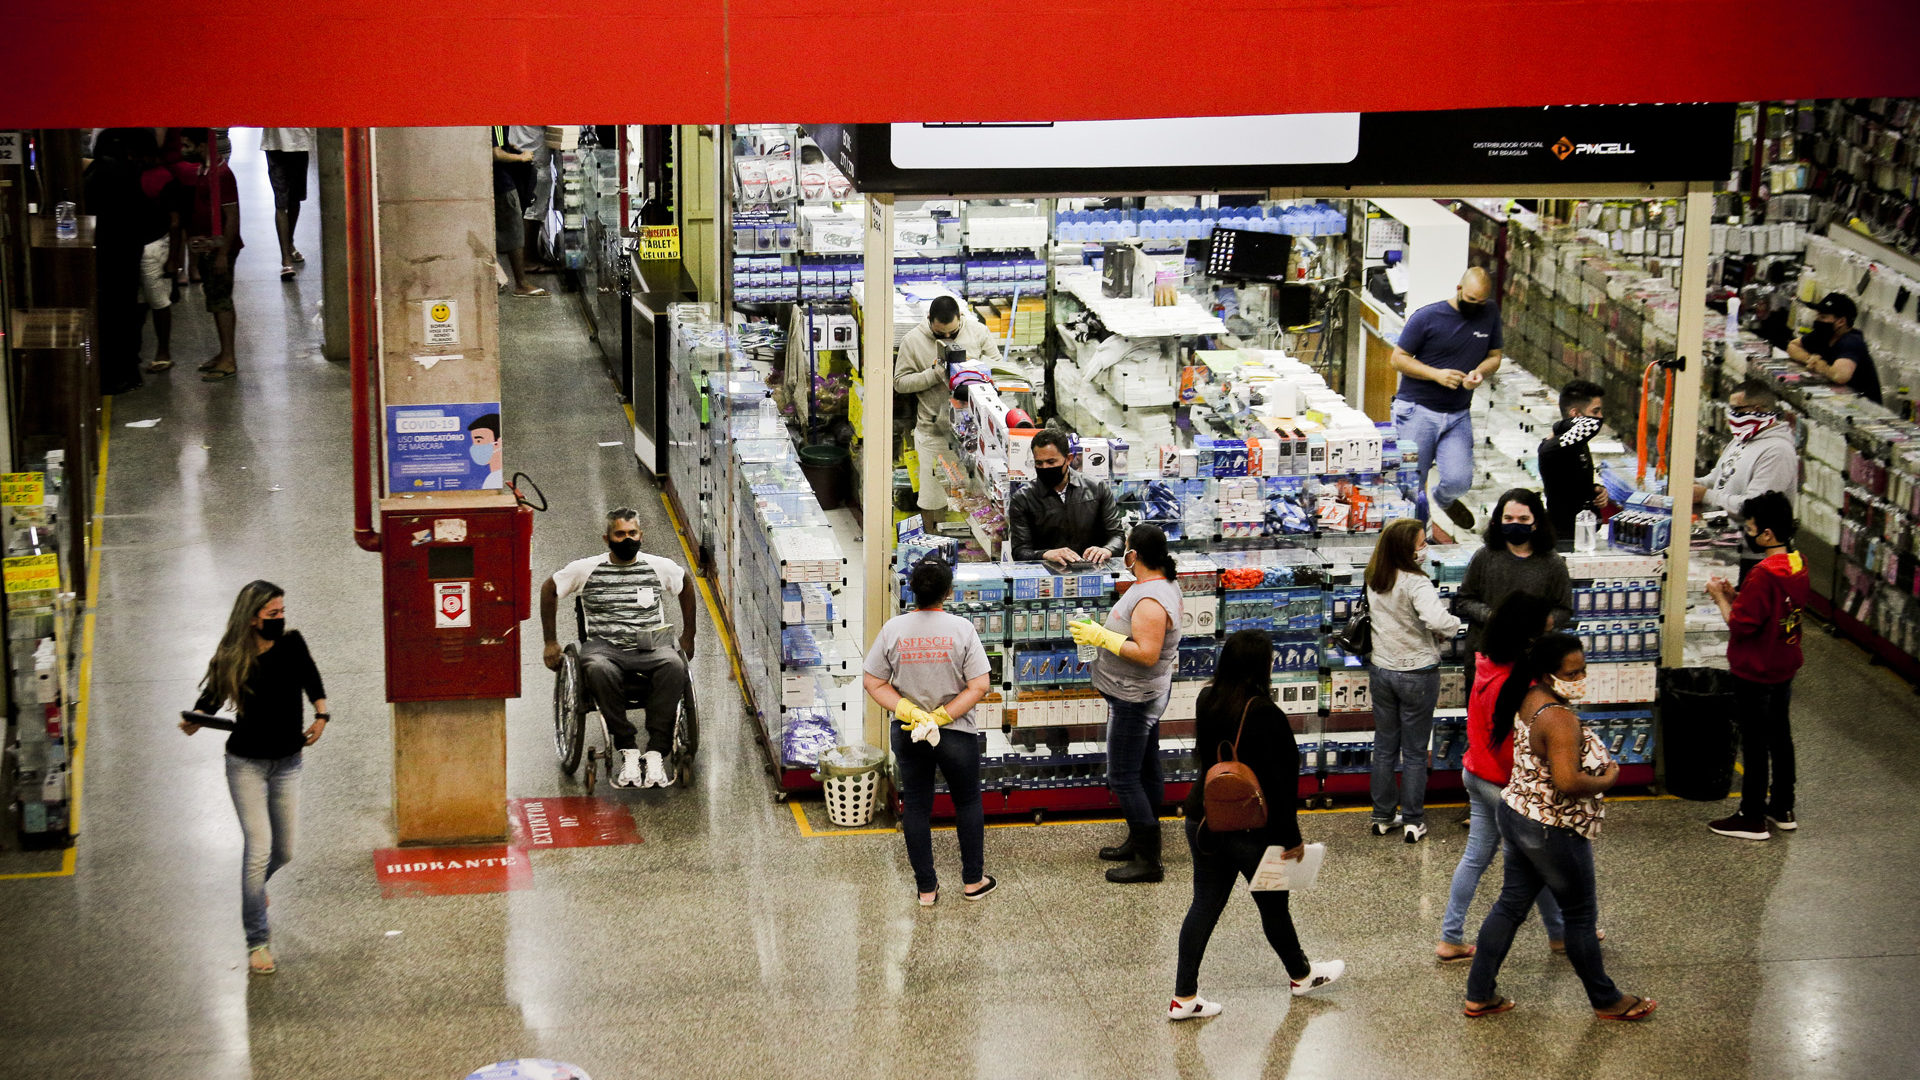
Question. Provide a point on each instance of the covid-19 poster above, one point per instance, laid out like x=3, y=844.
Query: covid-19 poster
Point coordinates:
x=454, y=447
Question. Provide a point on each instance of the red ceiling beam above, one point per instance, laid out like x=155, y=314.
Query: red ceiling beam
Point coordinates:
x=342, y=63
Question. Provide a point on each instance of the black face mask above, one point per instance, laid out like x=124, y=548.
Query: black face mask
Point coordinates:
x=1472, y=309
x=271, y=629
x=949, y=336
x=1516, y=532
x=1820, y=336
x=1753, y=542
x=624, y=550
x=1050, y=477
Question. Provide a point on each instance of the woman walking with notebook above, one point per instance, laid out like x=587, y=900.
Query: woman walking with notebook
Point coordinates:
x=1236, y=711
x=260, y=669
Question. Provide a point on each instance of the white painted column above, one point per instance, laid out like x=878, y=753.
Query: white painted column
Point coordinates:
x=876, y=442
x=1691, y=344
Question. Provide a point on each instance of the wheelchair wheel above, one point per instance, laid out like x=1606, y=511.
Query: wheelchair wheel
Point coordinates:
x=686, y=740
x=569, y=713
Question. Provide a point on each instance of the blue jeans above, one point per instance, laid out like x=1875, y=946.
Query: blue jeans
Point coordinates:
x=1483, y=839
x=1443, y=437
x=1557, y=860
x=1402, y=727
x=958, y=759
x=1133, y=760
x=266, y=796
x=1219, y=861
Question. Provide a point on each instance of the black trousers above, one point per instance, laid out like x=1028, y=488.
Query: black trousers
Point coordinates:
x=1766, y=747
x=1220, y=860
x=661, y=674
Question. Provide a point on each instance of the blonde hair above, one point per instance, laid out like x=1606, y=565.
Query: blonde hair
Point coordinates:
x=233, y=660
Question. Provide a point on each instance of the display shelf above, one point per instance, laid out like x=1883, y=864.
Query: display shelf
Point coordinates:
x=38, y=615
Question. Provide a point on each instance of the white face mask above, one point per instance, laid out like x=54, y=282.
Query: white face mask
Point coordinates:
x=1574, y=690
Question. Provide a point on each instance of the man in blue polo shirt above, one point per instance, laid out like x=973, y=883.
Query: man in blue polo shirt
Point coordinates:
x=1837, y=352
x=1446, y=351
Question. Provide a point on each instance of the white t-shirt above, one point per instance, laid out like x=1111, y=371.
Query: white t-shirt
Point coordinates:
x=624, y=604
x=286, y=139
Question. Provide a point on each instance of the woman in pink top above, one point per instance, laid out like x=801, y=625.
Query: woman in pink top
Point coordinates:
x=1519, y=621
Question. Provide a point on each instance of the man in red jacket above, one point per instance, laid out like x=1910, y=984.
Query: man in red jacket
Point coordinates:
x=1763, y=651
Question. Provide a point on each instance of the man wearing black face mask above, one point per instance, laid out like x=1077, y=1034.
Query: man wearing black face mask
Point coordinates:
x=1837, y=352
x=1062, y=517
x=920, y=369
x=627, y=636
x=1446, y=351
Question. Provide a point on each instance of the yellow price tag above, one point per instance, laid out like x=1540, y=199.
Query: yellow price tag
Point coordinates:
x=32, y=573
x=659, y=242
x=23, y=489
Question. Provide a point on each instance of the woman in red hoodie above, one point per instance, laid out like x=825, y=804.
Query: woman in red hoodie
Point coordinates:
x=1517, y=623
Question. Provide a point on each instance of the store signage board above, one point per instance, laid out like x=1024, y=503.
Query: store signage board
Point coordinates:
x=1611, y=144
x=659, y=243
x=32, y=573
x=440, y=447
x=23, y=489
x=442, y=322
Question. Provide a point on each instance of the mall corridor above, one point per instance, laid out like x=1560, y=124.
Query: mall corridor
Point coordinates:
x=730, y=941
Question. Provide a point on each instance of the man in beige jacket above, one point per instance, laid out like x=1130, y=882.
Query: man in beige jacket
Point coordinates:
x=920, y=369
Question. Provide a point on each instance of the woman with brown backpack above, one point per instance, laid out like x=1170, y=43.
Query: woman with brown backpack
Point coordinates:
x=1240, y=729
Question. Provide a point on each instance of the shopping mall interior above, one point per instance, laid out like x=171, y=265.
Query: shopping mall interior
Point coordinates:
x=428, y=382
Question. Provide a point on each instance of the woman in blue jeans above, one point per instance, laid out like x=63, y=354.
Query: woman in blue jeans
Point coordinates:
x=1516, y=625
x=929, y=659
x=1134, y=673
x=1236, y=710
x=1409, y=624
x=261, y=669
x=1550, y=814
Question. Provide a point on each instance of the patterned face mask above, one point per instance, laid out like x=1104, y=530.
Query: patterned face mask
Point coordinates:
x=1572, y=690
x=1746, y=425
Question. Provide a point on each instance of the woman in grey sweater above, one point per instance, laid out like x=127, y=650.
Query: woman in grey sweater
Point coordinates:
x=1518, y=557
x=1409, y=623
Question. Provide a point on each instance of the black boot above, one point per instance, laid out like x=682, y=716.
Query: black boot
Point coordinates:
x=1121, y=852
x=1145, y=864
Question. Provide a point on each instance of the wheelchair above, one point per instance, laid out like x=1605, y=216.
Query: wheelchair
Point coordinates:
x=572, y=703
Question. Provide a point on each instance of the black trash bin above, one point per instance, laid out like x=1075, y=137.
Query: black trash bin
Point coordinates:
x=1697, y=733
x=825, y=466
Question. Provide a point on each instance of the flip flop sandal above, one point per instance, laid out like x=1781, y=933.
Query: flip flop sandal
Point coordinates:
x=209, y=365
x=1497, y=1005
x=924, y=902
x=218, y=376
x=991, y=884
x=1642, y=1010
x=286, y=272
x=533, y=292
x=299, y=258
x=258, y=970
x=1559, y=948
x=159, y=366
x=1460, y=959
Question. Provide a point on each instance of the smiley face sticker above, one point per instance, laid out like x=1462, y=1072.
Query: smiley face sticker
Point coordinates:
x=442, y=318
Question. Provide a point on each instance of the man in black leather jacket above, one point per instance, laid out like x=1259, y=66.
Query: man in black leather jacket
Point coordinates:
x=1063, y=517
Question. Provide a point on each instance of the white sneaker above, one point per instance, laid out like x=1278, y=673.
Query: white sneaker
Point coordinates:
x=1415, y=833
x=656, y=771
x=629, y=769
x=1187, y=1010
x=1319, y=975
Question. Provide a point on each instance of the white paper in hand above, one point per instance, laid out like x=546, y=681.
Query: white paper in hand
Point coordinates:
x=1275, y=874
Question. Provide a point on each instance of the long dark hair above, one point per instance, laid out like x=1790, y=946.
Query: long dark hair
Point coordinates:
x=1245, y=671
x=1149, y=545
x=234, y=658
x=1516, y=624
x=1393, y=554
x=1542, y=660
x=1544, y=537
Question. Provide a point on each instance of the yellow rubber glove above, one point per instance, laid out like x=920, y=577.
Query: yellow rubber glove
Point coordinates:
x=912, y=715
x=1088, y=632
x=940, y=716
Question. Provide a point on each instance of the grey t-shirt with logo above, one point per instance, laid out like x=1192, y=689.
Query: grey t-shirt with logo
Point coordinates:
x=929, y=656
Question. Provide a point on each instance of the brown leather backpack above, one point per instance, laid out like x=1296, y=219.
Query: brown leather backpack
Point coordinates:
x=1232, y=795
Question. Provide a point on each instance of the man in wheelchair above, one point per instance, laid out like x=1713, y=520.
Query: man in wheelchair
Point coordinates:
x=627, y=640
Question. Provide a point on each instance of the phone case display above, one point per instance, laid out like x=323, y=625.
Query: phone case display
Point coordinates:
x=1865, y=154
x=39, y=614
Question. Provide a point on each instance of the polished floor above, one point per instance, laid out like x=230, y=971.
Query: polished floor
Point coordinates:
x=728, y=944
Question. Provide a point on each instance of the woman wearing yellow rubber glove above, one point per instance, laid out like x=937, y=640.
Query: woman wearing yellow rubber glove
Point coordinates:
x=928, y=657
x=1134, y=673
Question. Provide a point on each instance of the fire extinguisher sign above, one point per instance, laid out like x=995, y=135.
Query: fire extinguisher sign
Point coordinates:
x=452, y=604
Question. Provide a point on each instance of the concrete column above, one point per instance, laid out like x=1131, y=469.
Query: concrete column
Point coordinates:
x=333, y=245
x=876, y=440
x=433, y=196
x=1690, y=345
